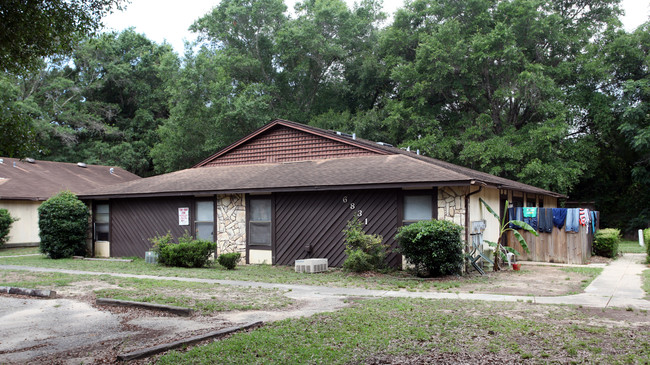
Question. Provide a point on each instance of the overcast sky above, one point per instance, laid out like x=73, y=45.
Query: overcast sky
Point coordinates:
x=169, y=20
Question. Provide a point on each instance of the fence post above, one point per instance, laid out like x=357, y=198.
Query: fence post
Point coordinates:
x=641, y=243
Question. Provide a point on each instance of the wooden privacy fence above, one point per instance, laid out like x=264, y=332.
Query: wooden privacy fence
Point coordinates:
x=558, y=246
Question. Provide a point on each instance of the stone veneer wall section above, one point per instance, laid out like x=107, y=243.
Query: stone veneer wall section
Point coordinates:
x=451, y=205
x=231, y=224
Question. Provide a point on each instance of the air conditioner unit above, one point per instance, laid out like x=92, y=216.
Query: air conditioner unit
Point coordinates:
x=311, y=265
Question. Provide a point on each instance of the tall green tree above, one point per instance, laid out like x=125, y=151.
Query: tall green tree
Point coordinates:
x=101, y=106
x=256, y=64
x=613, y=94
x=30, y=30
x=484, y=84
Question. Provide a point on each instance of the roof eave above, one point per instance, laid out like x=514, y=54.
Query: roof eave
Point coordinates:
x=411, y=185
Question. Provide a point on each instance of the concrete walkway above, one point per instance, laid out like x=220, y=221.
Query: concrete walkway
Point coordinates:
x=619, y=286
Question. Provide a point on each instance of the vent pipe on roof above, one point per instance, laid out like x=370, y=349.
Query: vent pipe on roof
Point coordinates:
x=14, y=163
x=112, y=170
x=354, y=136
x=418, y=151
x=30, y=160
x=408, y=149
x=2, y=160
x=81, y=164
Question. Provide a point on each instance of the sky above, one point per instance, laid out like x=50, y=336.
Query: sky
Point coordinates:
x=165, y=20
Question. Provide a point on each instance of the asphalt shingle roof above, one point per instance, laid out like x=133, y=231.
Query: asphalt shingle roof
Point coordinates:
x=22, y=180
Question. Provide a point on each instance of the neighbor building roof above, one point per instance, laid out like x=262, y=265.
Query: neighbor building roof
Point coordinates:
x=304, y=166
x=39, y=180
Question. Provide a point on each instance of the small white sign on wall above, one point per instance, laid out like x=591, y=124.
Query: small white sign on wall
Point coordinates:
x=183, y=216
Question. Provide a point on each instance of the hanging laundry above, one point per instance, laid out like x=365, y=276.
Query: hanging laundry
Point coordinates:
x=593, y=221
x=572, y=220
x=545, y=220
x=584, y=217
x=559, y=216
x=530, y=217
x=515, y=213
x=530, y=212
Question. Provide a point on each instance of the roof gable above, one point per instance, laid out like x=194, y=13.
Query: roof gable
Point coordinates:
x=283, y=141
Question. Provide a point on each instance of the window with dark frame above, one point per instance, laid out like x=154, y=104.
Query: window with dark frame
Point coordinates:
x=417, y=207
x=102, y=222
x=259, y=223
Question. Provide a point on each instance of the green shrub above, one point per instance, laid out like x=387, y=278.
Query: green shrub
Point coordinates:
x=63, y=225
x=365, y=252
x=188, y=252
x=646, y=241
x=358, y=261
x=606, y=242
x=5, y=223
x=229, y=260
x=434, y=247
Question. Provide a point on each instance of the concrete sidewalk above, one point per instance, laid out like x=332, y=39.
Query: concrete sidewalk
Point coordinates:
x=618, y=286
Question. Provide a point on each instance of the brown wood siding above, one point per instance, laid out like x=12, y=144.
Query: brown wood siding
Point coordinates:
x=319, y=218
x=282, y=144
x=134, y=221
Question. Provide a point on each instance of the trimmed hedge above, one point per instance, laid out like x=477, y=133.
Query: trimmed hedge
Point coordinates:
x=5, y=224
x=229, y=260
x=365, y=252
x=434, y=247
x=63, y=225
x=606, y=242
x=188, y=252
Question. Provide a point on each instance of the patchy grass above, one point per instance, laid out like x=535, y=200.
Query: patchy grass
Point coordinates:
x=397, y=280
x=630, y=247
x=590, y=272
x=529, y=281
x=13, y=251
x=432, y=331
x=33, y=280
x=203, y=297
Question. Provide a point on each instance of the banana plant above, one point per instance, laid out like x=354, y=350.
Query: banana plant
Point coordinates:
x=503, y=229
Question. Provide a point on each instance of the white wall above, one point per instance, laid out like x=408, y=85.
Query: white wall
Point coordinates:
x=26, y=229
x=478, y=212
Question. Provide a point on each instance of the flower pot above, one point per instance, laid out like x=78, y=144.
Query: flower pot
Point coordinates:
x=516, y=267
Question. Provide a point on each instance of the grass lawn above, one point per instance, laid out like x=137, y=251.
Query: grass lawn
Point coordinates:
x=630, y=247
x=530, y=281
x=266, y=273
x=431, y=331
x=202, y=297
x=18, y=251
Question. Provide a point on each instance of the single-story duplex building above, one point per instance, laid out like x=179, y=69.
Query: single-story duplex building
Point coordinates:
x=287, y=190
x=25, y=184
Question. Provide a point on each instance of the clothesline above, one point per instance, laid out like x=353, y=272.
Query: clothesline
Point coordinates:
x=543, y=219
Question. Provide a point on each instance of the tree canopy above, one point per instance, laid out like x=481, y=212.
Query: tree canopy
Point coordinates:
x=550, y=93
x=33, y=29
